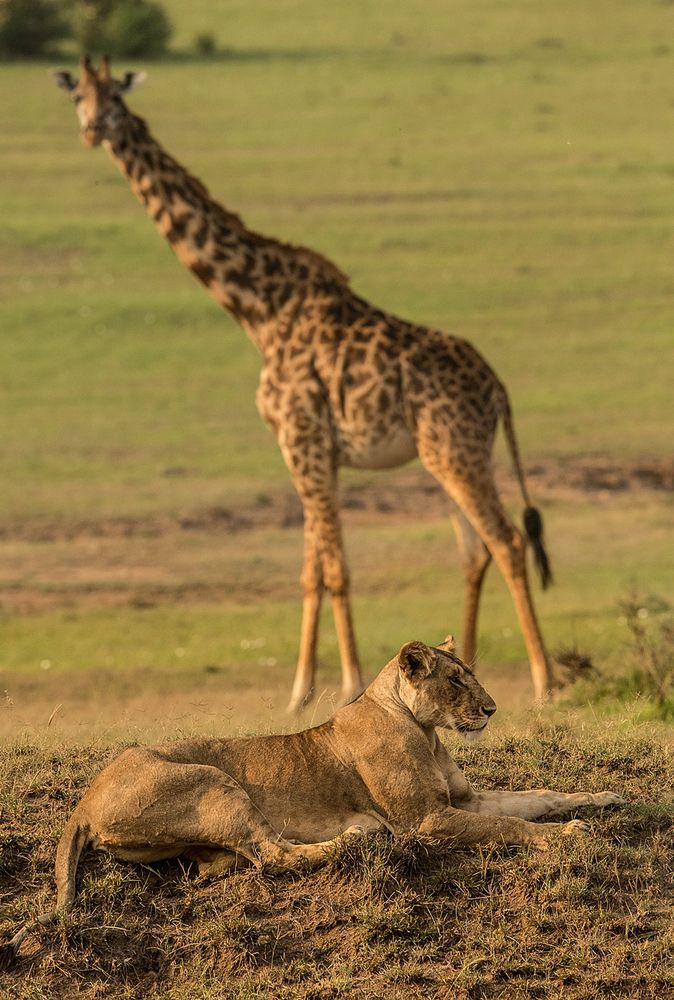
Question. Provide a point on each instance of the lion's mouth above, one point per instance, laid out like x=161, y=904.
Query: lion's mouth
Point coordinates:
x=471, y=734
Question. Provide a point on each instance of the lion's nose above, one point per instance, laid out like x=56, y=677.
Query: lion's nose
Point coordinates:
x=488, y=710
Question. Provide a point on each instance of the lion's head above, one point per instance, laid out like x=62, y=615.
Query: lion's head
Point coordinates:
x=441, y=690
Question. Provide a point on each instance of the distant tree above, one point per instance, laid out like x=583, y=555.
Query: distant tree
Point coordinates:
x=88, y=20
x=121, y=27
x=30, y=27
x=205, y=44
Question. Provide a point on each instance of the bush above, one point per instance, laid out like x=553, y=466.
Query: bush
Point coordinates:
x=122, y=27
x=137, y=28
x=29, y=27
x=204, y=44
x=87, y=23
x=649, y=655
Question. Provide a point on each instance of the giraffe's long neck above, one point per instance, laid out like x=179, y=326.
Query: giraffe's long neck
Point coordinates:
x=259, y=281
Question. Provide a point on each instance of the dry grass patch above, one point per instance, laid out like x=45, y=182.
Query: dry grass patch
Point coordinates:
x=588, y=918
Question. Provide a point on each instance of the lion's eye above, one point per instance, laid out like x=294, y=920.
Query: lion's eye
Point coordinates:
x=456, y=682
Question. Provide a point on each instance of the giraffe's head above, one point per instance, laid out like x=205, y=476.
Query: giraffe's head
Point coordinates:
x=98, y=98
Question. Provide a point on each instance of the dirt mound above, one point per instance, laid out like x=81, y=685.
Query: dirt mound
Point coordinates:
x=404, y=494
x=380, y=920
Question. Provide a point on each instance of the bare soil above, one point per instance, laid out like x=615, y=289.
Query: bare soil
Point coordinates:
x=47, y=562
x=243, y=554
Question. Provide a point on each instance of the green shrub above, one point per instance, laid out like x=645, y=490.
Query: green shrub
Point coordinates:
x=88, y=21
x=122, y=27
x=137, y=28
x=649, y=654
x=205, y=44
x=29, y=27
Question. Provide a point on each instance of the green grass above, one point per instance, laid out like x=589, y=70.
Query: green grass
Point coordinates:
x=405, y=577
x=200, y=627
x=500, y=172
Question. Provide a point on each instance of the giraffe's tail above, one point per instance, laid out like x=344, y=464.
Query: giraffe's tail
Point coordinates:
x=74, y=838
x=533, y=522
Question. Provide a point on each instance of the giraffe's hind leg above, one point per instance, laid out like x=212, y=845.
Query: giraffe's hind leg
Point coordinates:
x=475, y=558
x=470, y=484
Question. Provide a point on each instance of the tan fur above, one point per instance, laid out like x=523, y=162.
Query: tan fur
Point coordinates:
x=281, y=800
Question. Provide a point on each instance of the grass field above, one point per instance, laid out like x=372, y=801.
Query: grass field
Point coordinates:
x=519, y=191
x=502, y=171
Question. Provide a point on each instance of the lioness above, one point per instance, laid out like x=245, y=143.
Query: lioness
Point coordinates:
x=377, y=763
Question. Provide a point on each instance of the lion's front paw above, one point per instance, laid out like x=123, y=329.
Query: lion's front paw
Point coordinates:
x=354, y=831
x=541, y=841
x=575, y=826
x=608, y=799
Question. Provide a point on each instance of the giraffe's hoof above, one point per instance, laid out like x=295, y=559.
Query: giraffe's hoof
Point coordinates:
x=299, y=702
x=346, y=697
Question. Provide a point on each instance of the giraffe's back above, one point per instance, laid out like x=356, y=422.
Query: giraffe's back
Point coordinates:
x=381, y=372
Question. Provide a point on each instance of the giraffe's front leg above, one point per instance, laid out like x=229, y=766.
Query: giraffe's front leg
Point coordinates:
x=325, y=566
x=306, y=440
x=475, y=557
x=312, y=586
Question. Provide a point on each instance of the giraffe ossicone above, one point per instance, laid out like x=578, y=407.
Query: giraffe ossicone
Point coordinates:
x=343, y=383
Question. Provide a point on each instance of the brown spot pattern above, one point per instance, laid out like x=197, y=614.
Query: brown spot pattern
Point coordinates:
x=344, y=383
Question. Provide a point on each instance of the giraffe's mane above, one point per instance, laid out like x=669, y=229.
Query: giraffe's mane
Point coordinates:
x=320, y=262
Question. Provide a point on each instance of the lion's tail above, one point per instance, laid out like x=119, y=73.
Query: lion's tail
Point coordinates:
x=533, y=522
x=73, y=840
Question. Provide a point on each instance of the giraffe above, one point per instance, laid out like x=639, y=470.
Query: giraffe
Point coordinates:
x=343, y=383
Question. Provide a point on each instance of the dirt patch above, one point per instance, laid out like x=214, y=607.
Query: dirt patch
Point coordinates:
x=404, y=494
x=252, y=552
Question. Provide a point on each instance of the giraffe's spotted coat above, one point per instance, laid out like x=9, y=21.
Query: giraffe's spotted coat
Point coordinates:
x=343, y=383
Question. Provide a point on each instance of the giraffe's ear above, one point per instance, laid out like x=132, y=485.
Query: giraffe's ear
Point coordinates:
x=131, y=80
x=63, y=79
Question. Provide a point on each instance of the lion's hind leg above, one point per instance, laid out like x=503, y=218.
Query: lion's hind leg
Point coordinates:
x=210, y=816
x=215, y=862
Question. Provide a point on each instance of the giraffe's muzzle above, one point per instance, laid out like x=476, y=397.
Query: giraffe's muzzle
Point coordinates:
x=92, y=135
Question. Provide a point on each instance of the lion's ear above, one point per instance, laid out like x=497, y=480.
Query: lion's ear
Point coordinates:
x=449, y=644
x=416, y=659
